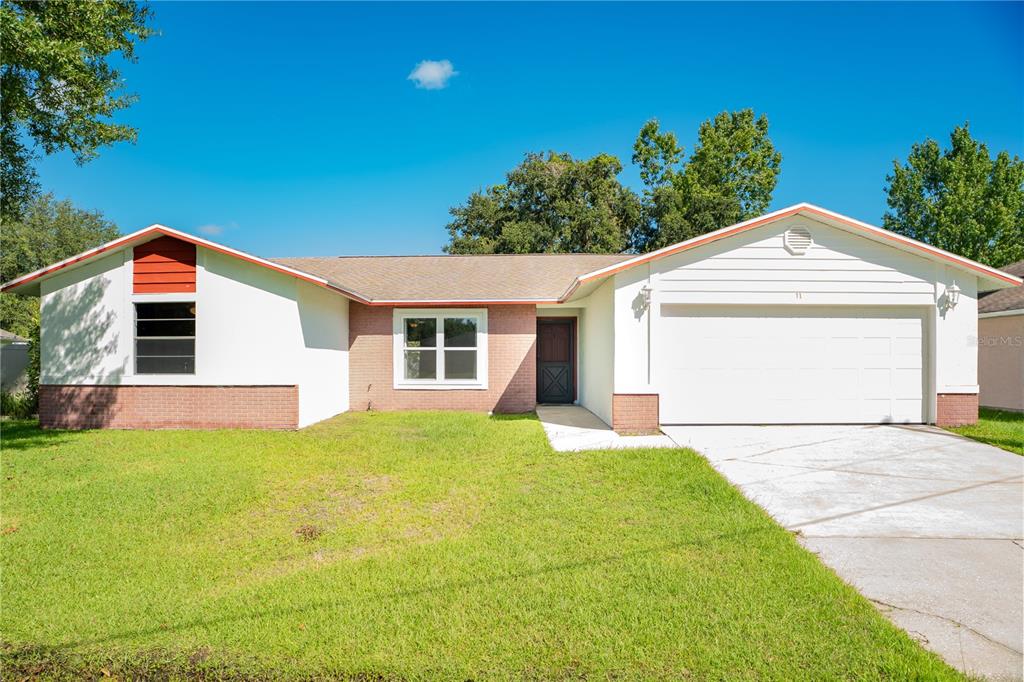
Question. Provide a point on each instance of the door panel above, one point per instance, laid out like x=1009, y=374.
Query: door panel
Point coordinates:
x=764, y=365
x=555, y=361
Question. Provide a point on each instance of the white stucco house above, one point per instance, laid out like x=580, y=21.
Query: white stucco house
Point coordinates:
x=800, y=316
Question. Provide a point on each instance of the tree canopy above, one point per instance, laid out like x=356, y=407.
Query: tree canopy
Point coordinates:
x=48, y=231
x=960, y=199
x=556, y=203
x=729, y=177
x=58, y=89
x=549, y=203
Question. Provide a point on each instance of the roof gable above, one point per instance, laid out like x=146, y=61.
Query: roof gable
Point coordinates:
x=29, y=284
x=991, y=277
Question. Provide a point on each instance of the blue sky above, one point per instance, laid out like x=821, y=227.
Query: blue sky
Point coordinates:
x=294, y=129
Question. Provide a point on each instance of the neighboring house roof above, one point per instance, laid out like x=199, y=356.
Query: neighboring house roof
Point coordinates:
x=531, y=278
x=534, y=278
x=11, y=337
x=1006, y=299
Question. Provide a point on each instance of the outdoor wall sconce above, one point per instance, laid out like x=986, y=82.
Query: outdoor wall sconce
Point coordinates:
x=952, y=295
x=645, y=293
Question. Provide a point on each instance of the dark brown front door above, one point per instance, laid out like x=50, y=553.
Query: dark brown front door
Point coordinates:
x=556, y=359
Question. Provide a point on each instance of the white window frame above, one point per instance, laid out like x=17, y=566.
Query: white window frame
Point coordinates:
x=440, y=383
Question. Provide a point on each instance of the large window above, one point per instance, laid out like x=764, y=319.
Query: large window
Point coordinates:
x=440, y=348
x=165, y=338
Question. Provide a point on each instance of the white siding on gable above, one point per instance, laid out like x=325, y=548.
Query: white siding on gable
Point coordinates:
x=839, y=268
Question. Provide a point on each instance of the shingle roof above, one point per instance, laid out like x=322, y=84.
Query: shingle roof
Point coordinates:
x=499, y=277
x=1004, y=299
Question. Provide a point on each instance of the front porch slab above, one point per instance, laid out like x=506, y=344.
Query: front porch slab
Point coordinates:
x=572, y=428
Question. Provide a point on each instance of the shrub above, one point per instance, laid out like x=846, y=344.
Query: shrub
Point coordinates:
x=17, y=405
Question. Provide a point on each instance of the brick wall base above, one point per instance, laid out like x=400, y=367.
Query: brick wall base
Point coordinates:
x=956, y=409
x=511, y=361
x=168, y=407
x=635, y=413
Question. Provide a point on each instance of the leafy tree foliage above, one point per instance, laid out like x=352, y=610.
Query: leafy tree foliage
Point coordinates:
x=960, y=199
x=57, y=87
x=729, y=177
x=48, y=231
x=551, y=203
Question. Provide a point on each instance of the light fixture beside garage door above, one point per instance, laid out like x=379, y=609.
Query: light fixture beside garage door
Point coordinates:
x=797, y=240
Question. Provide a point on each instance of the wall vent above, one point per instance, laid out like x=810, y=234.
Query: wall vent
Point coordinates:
x=797, y=240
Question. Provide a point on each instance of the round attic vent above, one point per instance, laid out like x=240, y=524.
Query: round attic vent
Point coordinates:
x=797, y=240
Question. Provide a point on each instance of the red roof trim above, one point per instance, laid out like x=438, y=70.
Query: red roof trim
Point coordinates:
x=803, y=208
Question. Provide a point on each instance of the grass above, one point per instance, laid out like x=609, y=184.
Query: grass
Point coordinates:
x=997, y=427
x=409, y=546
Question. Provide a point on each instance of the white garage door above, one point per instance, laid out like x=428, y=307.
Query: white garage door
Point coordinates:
x=776, y=365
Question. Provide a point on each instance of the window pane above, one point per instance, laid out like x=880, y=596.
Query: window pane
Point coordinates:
x=460, y=364
x=460, y=332
x=162, y=311
x=420, y=332
x=421, y=364
x=159, y=365
x=165, y=347
x=165, y=328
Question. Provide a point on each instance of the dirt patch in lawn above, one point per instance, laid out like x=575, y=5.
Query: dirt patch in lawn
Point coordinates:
x=324, y=521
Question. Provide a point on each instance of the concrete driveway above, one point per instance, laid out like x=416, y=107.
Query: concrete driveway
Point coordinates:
x=926, y=524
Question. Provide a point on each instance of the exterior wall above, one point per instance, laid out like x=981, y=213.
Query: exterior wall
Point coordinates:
x=956, y=409
x=755, y=268
x=168, y=407
x=1001, y=361
x=597, y=351
x=635, y=413
x=633, y=371
x=955, y=339
x=512, y=364
x=254, y=327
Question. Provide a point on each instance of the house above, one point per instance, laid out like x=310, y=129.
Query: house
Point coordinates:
x=800, y=316
x=13, y=362
x=1001, y=346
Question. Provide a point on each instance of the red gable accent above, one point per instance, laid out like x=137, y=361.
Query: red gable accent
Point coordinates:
x=165, y=265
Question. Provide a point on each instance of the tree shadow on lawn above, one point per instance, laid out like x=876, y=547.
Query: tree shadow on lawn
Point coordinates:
x=16, y=434
x=441, y=586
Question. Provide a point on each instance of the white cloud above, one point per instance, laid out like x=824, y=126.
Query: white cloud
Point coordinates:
x=211, y=229
x=431, y=75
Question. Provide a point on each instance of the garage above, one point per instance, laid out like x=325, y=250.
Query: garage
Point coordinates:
x=789, y=365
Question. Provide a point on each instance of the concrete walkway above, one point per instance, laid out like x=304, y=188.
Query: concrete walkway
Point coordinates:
x=571, y=427
x=926, y=524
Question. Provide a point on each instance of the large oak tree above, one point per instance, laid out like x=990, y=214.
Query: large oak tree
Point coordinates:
x=549, y=204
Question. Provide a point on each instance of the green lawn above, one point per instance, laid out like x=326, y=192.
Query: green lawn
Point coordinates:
x=1003, y=429
x=410, y=546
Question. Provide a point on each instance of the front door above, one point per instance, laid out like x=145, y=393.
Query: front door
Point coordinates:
x=556, y=359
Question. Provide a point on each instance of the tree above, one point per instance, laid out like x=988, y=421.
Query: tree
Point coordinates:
x=729, y=177
x=48, y=231
x=960, y=199
x=551, y=203
x=57, y=87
